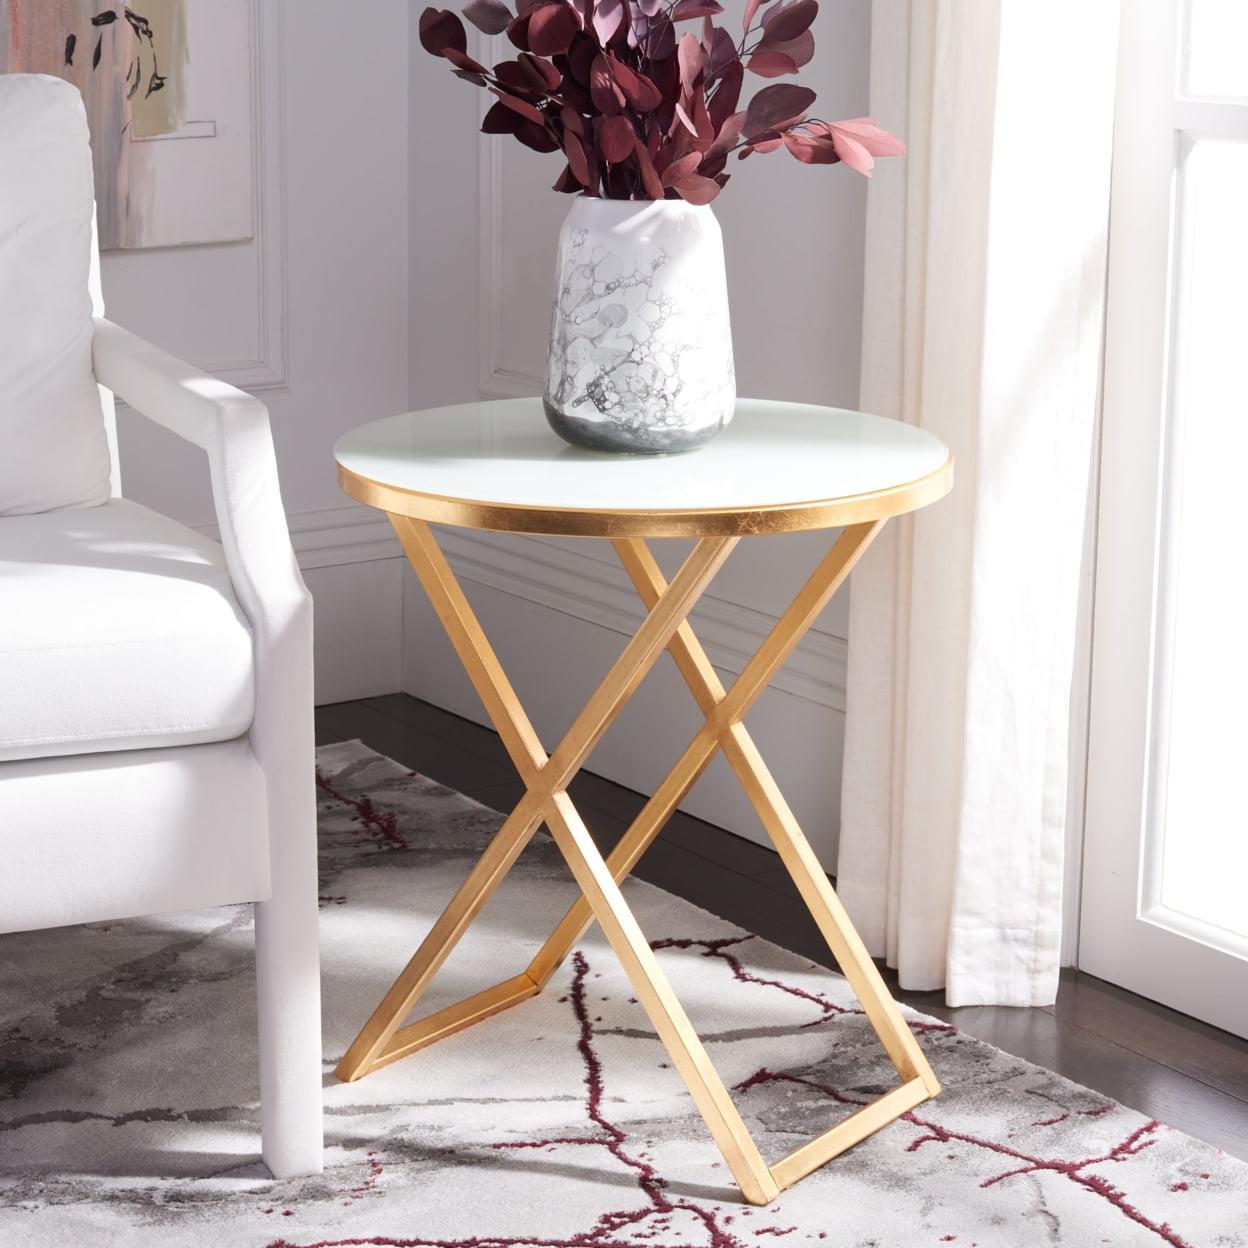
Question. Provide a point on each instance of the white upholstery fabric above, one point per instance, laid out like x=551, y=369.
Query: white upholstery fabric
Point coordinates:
x=120, y=630
x=101, y=835
x=233, y=429
x=54, y=450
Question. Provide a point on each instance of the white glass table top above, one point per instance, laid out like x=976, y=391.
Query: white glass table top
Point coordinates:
x=777, y=467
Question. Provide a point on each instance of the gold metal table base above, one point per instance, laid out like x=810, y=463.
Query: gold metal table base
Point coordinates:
x=384, y=1039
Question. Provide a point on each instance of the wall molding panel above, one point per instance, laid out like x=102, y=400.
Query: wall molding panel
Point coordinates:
x=494, y=379
x=342, y=535
x=265, y=370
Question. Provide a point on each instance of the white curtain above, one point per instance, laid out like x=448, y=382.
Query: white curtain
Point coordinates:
x=983, y=321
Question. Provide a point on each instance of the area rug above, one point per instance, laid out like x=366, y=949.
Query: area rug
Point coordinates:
x=128, y=1097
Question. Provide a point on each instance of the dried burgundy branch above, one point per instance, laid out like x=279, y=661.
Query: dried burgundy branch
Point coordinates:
x=640, y=110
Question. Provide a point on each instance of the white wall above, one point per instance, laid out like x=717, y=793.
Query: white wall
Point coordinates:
x=312, y=315
x=482, y=254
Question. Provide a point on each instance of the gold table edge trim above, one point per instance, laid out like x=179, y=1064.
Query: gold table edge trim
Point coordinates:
x=742, y=521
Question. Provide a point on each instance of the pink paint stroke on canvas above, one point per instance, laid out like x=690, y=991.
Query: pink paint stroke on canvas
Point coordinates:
x=130, y=65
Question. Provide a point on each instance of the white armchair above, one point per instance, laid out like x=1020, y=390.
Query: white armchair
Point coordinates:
x=156, y=739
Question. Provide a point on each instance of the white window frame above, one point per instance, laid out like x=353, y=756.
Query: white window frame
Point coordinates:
x=1126, y=934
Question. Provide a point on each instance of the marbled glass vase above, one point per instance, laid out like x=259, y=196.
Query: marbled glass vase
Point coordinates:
x=640, y=345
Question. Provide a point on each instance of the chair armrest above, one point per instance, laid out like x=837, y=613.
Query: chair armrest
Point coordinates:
x=233, y=428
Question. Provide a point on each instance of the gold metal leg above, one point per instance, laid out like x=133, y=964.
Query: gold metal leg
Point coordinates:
x=384, y=1040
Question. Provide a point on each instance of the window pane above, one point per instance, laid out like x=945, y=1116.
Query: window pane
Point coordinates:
x=1205, y=590
x=1216, y=52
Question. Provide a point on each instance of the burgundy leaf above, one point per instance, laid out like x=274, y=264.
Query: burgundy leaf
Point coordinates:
x=638, y=90
x=788, y=20
x=491, y=16
x=859, y=141
x=469, y=76
x=620, y=181
x=751, y=8
x=660, y=40
x=609, y=16
x=666, y=76
x=703, y=130
x=680, y=169
x=723, y=102
x=461, y=60
x=552, y=28
x=696, y=189
x=691, y=59
x=536, y=137
x=576, y=157
x=518, y=31
x=729, y=133
x=799, y=50
x=511, y=74
x=440, y=28
x=572, y=120
x=607, y=97
x=713, y=167
x=581, y=59
x=769, y=64
x=865, y=129
x=722, y=52
x=576, y=96
x=540, y=74
x=685, y=120
x=811, y=149
x=517, y=105
x=768, y=141
x=616, y=139
x=654, y=139
x=649, y=177
x=774, y=105
x=687, y=10
x=566, y=183
x=499, y=119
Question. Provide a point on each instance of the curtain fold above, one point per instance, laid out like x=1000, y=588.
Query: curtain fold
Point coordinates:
x=986, y=250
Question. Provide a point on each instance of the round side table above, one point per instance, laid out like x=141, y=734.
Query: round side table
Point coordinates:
x=778, y=468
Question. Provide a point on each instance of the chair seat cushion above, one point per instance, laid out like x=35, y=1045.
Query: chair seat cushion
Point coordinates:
x=119, y=631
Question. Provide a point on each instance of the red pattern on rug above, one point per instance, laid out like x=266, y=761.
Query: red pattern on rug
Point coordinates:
x=383, y=824
x=610, y=1226
x=1134, y=1143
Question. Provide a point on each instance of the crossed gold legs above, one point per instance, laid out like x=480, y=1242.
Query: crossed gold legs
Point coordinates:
x=383, y=1038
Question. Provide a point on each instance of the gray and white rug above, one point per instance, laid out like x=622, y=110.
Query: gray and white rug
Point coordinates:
x=128, y=1088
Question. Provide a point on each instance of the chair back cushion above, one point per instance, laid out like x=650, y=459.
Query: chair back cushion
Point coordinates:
x=53, y=448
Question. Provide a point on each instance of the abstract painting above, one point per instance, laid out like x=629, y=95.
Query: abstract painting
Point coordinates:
x=168, y=91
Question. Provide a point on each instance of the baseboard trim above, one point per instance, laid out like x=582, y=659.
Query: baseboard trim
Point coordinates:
x=338, y=535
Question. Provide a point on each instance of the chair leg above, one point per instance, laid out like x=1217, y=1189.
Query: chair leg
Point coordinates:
x=288, y=988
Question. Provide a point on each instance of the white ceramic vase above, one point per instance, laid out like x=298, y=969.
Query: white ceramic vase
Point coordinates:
x=640, y=345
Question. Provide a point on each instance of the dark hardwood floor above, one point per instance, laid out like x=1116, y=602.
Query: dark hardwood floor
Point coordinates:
x=1157, y=1061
